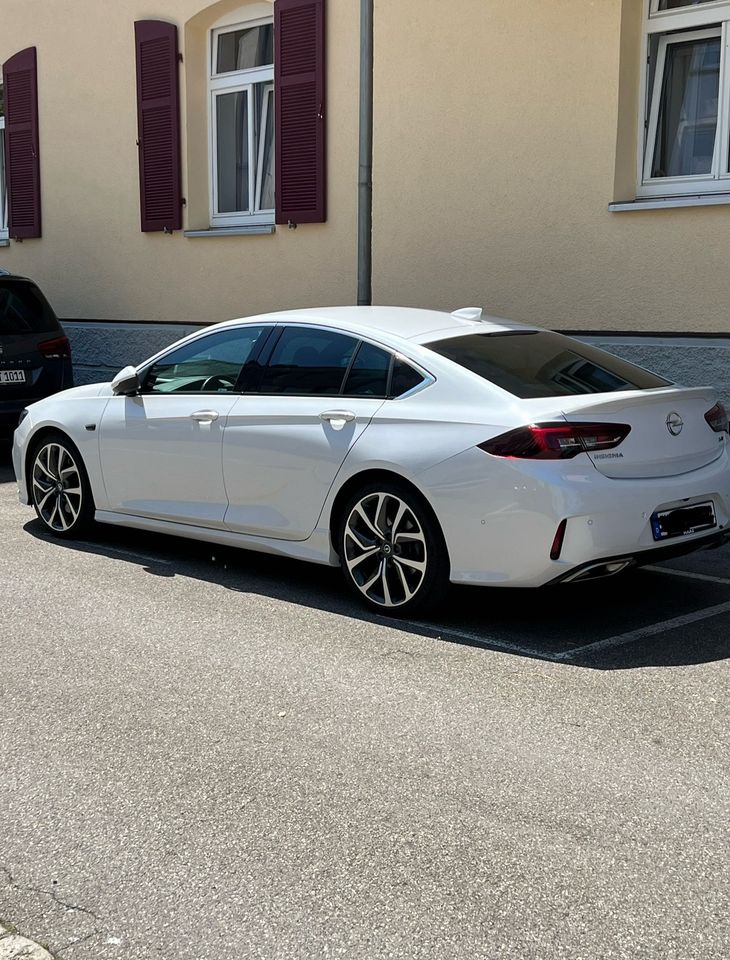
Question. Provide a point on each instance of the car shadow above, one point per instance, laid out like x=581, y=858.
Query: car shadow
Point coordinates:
x=558, y=623
x=553, y=623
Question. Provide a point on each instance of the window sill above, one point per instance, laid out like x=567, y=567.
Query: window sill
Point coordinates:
x=246, y=230
x=666, y=203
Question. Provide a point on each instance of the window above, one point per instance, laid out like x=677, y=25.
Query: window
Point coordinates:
x=308, y=362
x=685, y=121
x=24, y=309
x=3, y=195
x=405, y=378
x=538, y=363
x=212, y=364
x=368, y=376
x=242, y=124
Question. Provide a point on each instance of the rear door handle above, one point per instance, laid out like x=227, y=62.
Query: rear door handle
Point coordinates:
x=337, y=418
x=205, y=416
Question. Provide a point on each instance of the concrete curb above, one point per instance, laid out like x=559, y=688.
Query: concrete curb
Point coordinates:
x=15, y=947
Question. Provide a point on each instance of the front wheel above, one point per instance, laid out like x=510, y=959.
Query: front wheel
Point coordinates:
x=392, y=552
x=60, y=487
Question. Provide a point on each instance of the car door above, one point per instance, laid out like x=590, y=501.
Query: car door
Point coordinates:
x=287, y=436
x=161, y=450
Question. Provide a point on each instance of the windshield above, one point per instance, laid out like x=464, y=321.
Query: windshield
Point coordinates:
x=24, y=309
x=539, y=363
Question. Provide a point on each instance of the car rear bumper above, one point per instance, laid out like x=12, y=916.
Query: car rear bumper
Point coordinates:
x=607, y=566
x=500, y=517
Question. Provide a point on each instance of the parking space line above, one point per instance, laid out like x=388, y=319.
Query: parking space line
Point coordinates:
x=485, y=641
x=106, y=549
x=649, y=631
x=672, y=571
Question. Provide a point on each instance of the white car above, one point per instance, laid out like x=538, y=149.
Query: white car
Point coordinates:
x=411, y=447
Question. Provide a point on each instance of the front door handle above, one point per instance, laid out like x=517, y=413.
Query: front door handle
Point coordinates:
x=337, y=416
x=205, y=416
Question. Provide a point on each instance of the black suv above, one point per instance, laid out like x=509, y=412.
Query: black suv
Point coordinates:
x=35, y=355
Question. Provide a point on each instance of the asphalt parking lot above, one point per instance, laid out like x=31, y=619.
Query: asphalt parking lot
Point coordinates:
x=208, y=753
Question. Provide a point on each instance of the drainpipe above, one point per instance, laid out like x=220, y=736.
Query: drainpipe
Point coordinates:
x=365, y=173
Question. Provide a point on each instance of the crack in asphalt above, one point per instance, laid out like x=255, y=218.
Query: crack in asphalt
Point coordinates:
x=53, y=894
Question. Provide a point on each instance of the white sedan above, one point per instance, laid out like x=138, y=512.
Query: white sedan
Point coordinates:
x=411, y=447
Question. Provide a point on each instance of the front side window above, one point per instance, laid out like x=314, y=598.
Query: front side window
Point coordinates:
x=3, y=194
x=242, y=124
x=212, y=364
x=686, y=133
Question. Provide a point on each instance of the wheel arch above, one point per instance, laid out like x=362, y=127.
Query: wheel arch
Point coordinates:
x=36, y=439
x=374, y=475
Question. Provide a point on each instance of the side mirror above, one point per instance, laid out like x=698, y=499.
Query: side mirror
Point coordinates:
x=126, y=383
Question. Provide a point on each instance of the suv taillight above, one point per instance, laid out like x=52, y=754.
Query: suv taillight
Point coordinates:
x=717, y=418
x=556, y=441
x=55, y=349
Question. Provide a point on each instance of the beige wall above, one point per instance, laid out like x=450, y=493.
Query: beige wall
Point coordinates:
x=92, y=260
x=495, y=160
x=502, y=132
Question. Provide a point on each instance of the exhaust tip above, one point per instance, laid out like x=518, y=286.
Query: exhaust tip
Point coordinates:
x=597, y=571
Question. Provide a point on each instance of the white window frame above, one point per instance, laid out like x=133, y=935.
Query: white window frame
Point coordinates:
x=234, y=82
x=674, y=26
x=4, y=235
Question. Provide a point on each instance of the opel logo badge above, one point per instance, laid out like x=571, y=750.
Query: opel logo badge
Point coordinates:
x=674, y=424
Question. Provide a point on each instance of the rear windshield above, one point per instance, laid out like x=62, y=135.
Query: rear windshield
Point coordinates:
x=24, y=309
x=538, y=363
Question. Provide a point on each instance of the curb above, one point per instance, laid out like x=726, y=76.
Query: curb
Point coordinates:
x=15, y=947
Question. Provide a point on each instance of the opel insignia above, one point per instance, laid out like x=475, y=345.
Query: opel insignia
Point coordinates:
x=410, y=447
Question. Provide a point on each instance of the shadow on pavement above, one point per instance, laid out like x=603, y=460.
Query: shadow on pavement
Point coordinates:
x=548, y=623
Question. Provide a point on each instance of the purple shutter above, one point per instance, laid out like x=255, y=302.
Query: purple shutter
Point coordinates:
x=158, y=125
x=299, y=82
x=22, y=155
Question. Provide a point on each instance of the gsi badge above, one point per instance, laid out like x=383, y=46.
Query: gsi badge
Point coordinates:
x=674, y=424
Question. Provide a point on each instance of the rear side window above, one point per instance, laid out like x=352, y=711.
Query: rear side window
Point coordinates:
x=405, y=378
x=539, y=363
x=24, y=310
x=308, y=363
x=368, y=376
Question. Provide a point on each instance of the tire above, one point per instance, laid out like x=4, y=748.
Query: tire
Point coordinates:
x=59, y=487
x=392, y=552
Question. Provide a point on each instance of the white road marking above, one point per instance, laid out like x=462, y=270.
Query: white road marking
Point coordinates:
x=447, y=632
x=648, y=631
x=672, y=571
x=106, y=548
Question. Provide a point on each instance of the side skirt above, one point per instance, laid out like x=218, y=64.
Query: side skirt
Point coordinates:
x=316, y=549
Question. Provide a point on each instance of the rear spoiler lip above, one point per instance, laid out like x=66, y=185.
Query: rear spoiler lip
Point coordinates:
x=582, y=406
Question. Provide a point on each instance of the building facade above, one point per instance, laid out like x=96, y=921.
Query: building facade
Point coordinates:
x=558, y=162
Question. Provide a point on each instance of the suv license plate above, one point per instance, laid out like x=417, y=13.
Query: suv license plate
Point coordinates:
x=12, y=376
x=682, y=521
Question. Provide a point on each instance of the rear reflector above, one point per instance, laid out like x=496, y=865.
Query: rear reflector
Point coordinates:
x=556, y=441
x=717, y=418
x=557, y=546
x=55, y=349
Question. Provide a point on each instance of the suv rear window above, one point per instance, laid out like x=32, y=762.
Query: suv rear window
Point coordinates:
x=539, y=363
x=24, y=309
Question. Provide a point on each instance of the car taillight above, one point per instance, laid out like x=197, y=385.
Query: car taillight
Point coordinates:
x=56, y=348
x=557, y=547
x=556, y=441
x=717, y=418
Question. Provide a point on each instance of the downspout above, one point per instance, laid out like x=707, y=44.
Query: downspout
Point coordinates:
x=365, y=173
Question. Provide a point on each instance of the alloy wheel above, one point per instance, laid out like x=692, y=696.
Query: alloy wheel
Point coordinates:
x=57, y=487
x=385, y=549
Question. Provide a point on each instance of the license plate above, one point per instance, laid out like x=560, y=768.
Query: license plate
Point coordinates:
x=12, y=376
x=682, y=521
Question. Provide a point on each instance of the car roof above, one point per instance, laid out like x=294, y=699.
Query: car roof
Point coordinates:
x=407, y=323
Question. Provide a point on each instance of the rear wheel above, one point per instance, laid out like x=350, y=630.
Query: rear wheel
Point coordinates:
x=60, y=487
x=392, y=552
